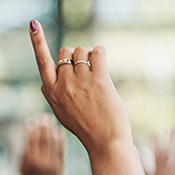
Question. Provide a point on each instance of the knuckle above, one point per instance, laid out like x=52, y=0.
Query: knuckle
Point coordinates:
x=37, y=41
x=63, y=50
x=99, y=50
x=42, y=61
x=79, y=49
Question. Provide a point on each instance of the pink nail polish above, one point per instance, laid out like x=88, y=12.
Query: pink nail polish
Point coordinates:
x=34, y=25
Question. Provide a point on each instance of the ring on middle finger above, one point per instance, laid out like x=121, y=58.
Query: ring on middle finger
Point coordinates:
x=82, y=61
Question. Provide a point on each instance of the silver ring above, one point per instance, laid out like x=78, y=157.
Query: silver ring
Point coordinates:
x=82, y=61
x=65, y=61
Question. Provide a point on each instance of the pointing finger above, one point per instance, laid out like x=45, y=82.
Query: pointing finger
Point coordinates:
x=44, y=60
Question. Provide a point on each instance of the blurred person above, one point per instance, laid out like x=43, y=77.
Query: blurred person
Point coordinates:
x=43, y=152
x=163, y=155
x=84, y=99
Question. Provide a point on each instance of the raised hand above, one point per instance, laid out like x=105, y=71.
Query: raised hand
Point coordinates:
x=43, y=152
x=164, y=157
x=85, y=101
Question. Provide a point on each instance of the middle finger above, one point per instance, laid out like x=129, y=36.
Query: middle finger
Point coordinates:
x=81, y=57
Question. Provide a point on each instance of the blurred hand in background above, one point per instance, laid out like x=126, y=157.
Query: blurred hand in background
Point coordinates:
x=43, y=152
x=164, y=157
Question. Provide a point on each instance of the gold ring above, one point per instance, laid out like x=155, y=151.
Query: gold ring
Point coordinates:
x=82, y=61
x=65, y=61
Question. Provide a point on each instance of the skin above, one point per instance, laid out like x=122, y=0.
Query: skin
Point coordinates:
x=86, y=102
x=164, y=157
x=43, y=153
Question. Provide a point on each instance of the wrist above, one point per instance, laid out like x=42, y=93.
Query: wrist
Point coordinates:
x=118, y=158
x=99, y=143
x=106, y=148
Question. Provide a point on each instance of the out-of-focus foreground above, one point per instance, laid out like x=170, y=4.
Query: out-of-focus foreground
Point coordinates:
x=139, y=39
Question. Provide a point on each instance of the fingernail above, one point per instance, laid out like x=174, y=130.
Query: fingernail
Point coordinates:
x=34, y=25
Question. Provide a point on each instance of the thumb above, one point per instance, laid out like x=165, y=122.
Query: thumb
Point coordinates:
x=44, y=60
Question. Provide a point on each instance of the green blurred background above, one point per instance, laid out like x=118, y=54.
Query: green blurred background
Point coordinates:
x=139, y=36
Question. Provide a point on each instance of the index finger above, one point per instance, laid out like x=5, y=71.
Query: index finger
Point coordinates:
x=44, y=60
